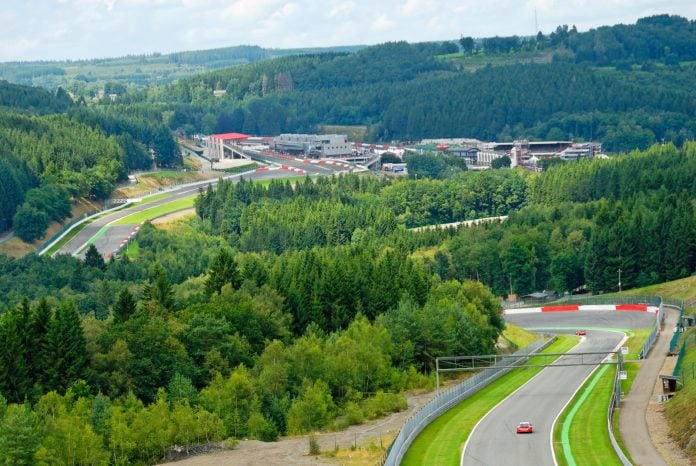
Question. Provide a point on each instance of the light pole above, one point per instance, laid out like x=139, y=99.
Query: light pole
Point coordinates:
x=619, y=280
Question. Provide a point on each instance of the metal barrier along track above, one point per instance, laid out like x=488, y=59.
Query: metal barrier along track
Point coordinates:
x=450, y=398
x=613, y=404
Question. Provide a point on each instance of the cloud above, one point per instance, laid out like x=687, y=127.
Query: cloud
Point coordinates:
x=419, y=7
x=382, y=23
x=60, y=29
x=343, y=9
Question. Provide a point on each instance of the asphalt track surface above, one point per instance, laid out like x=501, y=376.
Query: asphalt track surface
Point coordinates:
x=107, y=238
x=494, y=441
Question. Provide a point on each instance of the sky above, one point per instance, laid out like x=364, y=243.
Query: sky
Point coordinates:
x=82, y=29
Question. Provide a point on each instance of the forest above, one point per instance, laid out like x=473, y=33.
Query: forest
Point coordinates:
x=289, y=308
x=630, y=86
x=294, y=307
x=54, y=150
x=85, y=78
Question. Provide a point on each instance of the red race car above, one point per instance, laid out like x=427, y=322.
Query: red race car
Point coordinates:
x=580, y=332
x=525, y=427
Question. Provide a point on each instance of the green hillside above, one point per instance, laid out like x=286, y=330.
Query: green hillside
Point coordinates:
x=88, y=77
x=292, y=307
x=54, y=150
x=613, y=84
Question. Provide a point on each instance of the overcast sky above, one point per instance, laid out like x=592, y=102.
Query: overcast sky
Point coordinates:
x=77, y=29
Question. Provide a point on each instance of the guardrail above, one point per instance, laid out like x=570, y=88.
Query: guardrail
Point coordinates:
x=653, y=333
x=60, y=233
x=616, y=395
x=627, y=299
x=67, y=228
x=675, y=338
x=450, y=398
x=613, y=404
x=685, y=373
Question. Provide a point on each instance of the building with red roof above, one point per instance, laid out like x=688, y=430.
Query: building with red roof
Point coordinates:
x=218, y=145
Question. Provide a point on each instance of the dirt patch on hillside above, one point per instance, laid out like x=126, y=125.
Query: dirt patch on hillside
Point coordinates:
x=17, y=248
x=148, y=183
x=358, y=445
x=174, y=216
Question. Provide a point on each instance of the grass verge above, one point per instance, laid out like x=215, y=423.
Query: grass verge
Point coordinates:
x=585, y=417
x=64, y=240
x=441, y=442
x=241, y=168
x=157, y=211
x=584, y=423
x=153, y=198
x=132, y=250
x=519, y=336
x=680, y=411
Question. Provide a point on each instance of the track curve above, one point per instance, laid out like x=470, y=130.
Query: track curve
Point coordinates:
x=494, y=440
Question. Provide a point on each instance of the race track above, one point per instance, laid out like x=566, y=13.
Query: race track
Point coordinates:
x=107, y=238
x=494, y=441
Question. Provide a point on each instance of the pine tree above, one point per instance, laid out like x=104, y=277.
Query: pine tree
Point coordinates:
x=15, y=383
x=223, y=270
x=104, y=298
x=19, y=435
x=68, y=353
x=159, y=289
x=39, y=328
x=124, y=306
x=94, y=259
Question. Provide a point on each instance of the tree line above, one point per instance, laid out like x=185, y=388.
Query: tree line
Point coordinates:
x=426, y=93
x=54, y=151
x=205, y=334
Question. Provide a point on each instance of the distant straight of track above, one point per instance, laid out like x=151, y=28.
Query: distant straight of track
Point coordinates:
x=108, y=237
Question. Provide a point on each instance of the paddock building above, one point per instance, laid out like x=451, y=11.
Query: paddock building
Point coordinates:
x=313, y=145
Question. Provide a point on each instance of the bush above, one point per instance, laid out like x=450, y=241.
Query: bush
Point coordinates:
x=383, y=403
x=260, y=428
x=314, y=445
x=354, y=414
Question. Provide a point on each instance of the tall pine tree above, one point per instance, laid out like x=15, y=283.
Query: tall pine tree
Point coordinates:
x=223, y=270
x=68, y=353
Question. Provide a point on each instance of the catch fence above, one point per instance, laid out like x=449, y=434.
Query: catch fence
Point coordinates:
x=453, y=396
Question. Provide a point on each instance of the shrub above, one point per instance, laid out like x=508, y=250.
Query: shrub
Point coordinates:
x=314, y=445
x=383, y=403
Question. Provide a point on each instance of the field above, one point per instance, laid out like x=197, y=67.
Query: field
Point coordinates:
x=480, y=60
x=354, y=133
x=88, y=77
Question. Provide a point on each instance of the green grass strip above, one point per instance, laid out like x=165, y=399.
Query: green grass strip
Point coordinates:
x=153, y=198
x=96, y=236
x=157, y=211
x=440, y=443
x=589, y=425
x=585, y=431
x=67, y=237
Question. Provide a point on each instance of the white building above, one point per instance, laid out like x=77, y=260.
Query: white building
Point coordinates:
x=313, y=145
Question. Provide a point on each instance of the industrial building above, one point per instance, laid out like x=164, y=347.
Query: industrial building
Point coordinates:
x=313, y=145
